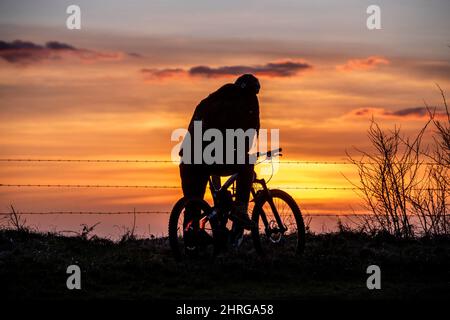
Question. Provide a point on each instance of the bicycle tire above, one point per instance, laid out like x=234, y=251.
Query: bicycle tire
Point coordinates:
x=296, y=212
x=176, y=245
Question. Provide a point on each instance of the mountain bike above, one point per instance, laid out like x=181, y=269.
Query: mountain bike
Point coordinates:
x=198, y=229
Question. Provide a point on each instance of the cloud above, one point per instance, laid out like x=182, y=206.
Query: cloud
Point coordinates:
x=408, y=113
x=368, y=63
x=271, y=69
x=135, y=55
x=162, y=73
x=26, y=52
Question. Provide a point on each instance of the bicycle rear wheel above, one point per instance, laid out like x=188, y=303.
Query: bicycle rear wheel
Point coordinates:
x=190, y=231
x=271, y=236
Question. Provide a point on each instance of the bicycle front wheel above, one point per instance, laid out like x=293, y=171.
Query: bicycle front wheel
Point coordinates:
x=280, y=224
x=191, y=233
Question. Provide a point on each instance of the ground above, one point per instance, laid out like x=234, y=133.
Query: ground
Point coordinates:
x=33, y=266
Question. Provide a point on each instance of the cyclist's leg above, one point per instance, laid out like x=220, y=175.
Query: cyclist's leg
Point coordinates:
x=244, y=183
x=194, y=179
x=243, y=187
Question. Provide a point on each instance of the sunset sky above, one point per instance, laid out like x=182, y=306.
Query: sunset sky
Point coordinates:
x=118, y=87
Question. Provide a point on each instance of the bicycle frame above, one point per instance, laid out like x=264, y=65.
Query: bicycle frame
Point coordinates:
x=264, y=193
x=260, y=195
x=214, y=182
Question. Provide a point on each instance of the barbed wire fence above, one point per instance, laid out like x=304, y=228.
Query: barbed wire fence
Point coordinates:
x=154, y=186
x=156, y=212
x=161, y=161
x=313, y=162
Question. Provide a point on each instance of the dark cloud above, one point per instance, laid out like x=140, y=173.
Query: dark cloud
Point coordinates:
x=415, y=112
x=55, y=45
x=272, y=69
x=18, y=44
x=419, y=112
x=25, y=52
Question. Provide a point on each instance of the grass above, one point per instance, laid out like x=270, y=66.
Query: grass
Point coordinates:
x=33, y=266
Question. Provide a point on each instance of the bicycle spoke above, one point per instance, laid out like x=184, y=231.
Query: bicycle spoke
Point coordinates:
x=288, y=230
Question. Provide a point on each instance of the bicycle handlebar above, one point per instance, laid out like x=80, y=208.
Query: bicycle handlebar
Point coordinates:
x=271, y=153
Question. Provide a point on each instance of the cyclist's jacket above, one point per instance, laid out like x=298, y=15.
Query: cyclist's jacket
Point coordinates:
x=230, y=107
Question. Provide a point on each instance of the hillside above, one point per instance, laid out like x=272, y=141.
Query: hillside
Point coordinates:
x=33, y=266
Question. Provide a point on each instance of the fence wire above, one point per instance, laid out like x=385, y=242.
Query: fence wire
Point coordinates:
x=311, y=162
x=157, y=212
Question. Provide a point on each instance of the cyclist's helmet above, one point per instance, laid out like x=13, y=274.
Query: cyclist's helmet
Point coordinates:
x=249, y=83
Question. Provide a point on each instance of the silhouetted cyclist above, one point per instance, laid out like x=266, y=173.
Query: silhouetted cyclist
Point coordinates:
x=233, y=106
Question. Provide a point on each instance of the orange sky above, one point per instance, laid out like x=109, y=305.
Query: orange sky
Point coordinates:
x=119, y=95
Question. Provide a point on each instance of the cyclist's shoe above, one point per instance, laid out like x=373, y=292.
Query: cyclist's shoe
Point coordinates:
x=239, y=214
x=190, y=244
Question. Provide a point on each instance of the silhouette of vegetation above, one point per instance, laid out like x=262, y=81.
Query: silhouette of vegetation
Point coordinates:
x=430, y=203
x=407, y=197
x=16, y=221
x=442, y=138
x=129, y=234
